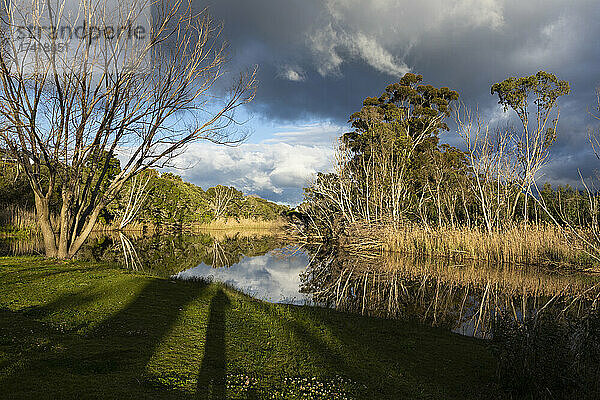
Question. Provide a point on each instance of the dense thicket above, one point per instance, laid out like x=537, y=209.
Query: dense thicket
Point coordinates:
x=392, y=169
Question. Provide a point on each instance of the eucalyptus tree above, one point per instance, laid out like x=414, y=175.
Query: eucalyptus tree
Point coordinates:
x=389, y=168
x=391, y=145
x=539, y=92
x=83, y=83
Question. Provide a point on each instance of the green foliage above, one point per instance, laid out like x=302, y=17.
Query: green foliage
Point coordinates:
x=391, y=164
x=545, y=87
x=407, y=108
x=393, y=169
x=173, y=202
x=170, y=200
x=14, y=188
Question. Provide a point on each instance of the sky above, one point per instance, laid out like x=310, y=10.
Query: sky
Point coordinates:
x=317, y=61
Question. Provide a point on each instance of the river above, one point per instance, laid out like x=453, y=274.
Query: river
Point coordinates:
x=466, y=298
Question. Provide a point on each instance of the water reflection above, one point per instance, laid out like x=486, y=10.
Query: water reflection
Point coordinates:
x=166, y=255
x=467, y=298
x=163, y=255
x=274, y=276
x=21, y=246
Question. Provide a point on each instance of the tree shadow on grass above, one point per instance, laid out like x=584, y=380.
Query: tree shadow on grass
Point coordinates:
x=406, y=358
x=117, y=350
x=212, y=377
x=378, y=362
x=331, y=358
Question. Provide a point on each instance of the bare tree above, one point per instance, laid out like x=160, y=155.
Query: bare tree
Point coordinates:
x=115, y=94
x=534, y=140
x=136, y=197
x=492, y=160
x=222, y=199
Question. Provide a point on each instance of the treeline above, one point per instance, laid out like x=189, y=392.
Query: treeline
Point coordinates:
x=159, y=200
x=392, y=170
x=171, y=201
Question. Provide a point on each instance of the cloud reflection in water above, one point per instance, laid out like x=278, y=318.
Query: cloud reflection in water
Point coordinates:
x=273, y=277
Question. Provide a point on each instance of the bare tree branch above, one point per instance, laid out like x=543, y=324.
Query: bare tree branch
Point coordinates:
x=67, y=116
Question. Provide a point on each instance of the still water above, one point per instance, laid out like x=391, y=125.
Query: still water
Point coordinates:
x=274, y=276
x=466, y=297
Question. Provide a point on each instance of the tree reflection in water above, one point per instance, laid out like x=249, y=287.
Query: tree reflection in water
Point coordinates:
x=466, y=298
x=163, y=255
x=166, y=255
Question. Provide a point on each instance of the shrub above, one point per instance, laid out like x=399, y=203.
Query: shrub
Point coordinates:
x=548, y=357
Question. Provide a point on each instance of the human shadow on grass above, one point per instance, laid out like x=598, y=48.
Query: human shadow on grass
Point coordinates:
x=149, y=318
x=212, y=377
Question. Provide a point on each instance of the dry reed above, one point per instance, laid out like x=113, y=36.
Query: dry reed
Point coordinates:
x=18, y=219
x=243, y=223
x=531, y=245
x=466, y=297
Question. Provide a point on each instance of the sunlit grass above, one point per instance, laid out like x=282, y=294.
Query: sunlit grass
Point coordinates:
x=73, y=328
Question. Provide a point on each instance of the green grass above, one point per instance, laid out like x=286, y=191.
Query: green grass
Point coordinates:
x=83, y=330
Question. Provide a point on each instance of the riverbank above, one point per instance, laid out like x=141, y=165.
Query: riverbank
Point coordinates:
x=224, y=224
x=18, y=223
x=75, y=330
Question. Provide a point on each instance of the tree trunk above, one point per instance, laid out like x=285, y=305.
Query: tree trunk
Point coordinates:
x=43, y=216
x=63, y=236
x=60, y=247
x=86, y=231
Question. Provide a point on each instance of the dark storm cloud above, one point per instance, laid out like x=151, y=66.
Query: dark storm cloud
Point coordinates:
x=319, y=59
x=464, y=44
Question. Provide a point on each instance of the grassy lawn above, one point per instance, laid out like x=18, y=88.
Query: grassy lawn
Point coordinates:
x=82, y=330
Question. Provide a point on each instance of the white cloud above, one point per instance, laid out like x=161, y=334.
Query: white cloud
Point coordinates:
x=276, y=169
x=323, y=133
x=376, y=56
x=293, y=74
x=272, y=277
x=551, y=45
x=323, y=43
x=499, y=117
x=478, y=12
x=327, y=43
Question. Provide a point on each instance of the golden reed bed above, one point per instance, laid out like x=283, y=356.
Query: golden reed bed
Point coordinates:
x=532, y=244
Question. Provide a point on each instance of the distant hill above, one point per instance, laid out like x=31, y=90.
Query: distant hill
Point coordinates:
x=170, y=200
